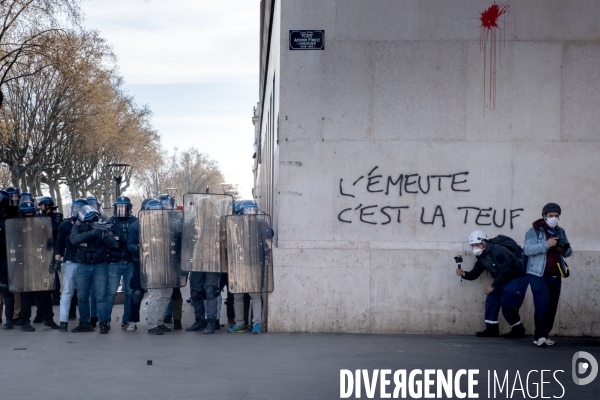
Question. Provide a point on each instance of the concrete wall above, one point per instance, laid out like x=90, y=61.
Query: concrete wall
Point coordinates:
x=398, y=90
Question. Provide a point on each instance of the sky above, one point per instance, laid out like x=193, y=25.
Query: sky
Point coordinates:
x=195, y=64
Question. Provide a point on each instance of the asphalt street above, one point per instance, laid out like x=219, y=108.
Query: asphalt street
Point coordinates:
x=48, y=364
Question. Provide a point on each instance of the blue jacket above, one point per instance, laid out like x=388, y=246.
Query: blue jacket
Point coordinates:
x=536, y=246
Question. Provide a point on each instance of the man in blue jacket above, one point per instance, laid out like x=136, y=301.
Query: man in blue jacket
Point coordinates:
x=547, y=245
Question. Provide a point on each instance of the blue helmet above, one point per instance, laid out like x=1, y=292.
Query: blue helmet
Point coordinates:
x=122, y=207
x=93, y=202
x=27, y=198
x=154, y=204
x=26, y=207
x=76, y=206
x=240, y=205
x=167, y=201
x=87, y=214
x=47, y=201
x=4, y=199
x=15, y=195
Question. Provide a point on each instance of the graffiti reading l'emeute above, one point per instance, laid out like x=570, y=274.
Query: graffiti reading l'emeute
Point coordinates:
x=397, y=186
x=488, y=32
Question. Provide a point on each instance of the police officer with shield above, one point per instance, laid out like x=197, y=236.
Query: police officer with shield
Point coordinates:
x=121, y=260
x=27, y=210
x=6, y=211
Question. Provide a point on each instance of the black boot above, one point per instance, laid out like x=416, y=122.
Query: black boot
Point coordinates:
x=64, y=326
x=199, y=325
x=217, y=325
x=168, y=319
x=51, y=324
x=103, y=328
x=491, y=330
x=177, y=324
x=210, y=325
x=83, y=327
x=516, y=332
x=26, y=327
x=93, y=321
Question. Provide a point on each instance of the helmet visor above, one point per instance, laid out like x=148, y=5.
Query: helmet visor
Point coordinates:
x=75, y=207
x=122, y=210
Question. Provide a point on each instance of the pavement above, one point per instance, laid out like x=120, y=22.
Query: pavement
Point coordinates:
x=48, y=364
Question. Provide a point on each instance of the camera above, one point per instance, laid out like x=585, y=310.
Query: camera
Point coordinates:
x=458, y=260
x=563, y=245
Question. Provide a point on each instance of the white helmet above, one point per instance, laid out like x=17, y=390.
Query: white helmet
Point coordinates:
x=477, y=237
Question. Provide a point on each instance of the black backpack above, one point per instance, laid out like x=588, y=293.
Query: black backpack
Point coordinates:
x=520, y=259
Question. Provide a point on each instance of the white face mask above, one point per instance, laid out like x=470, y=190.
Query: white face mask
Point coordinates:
x=477, y=251
x=552, y=222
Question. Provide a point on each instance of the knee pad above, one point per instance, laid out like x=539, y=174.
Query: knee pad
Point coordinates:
x=212, y=292
x=176, y=294
x=137, y=296
x=198, y=296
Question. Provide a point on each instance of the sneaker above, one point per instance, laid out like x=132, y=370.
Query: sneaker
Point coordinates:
x=8, y=325
x=256, y=329
x=165, y=328
x=38, y=319
x=26, y=327
x=541, y=342
x=104, y=328
x=548, y=342
x=51, y=324
x=177, y=325
x=199, y=325
x=124, y=325
x=168, y=319
x=64, y=326
x=238, y=328
x=82, y=328
x=132, y=327
x=156, y=331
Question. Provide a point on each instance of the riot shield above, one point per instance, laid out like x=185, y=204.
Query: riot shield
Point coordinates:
x=201, y=241
x=249, y=253
x=160, y=244
x=29, y=253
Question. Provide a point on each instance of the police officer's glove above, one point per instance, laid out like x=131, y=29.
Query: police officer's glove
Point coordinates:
x=110, y=241
x=97, y=233
x=55, y=266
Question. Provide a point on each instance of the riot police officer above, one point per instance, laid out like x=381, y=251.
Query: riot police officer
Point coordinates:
x=47, y=208
x=9, y=298
x=27, y=210
x=120, y=259
x=63, y=248
x=92, y=270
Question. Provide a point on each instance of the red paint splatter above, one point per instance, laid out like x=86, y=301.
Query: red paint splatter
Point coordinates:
x=487, y=31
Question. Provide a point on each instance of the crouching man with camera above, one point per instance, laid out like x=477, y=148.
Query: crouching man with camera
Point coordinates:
x=546, y=245
x=508, y=289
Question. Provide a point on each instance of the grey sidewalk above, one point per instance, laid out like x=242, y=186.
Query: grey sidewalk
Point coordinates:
x=47, y=364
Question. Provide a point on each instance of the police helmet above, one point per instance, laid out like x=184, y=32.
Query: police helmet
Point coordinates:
x=87, y=214
x=167, y=201
x=247, y=207
x=27, y=197
x=15, y=195
x=144, y=202
x=122, y=207
x=4, y=199
x=76, y=206
x=154, y=204
x=93, y=202
x=26, y=207
x=47, y=201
